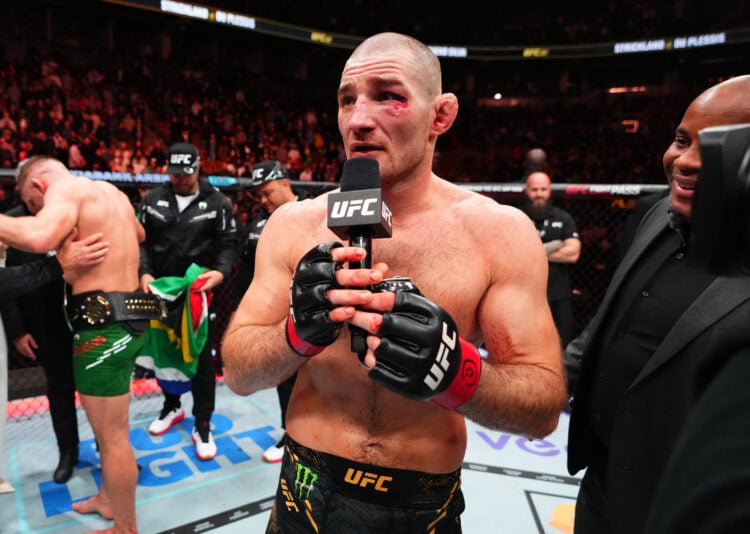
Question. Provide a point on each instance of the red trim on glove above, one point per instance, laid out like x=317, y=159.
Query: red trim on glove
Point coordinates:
x=466, y=381
x=299, y=345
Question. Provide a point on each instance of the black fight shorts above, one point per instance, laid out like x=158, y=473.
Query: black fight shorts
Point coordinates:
x=322, y=493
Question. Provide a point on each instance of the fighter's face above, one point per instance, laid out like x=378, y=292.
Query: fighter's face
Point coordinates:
x=32, y=195
x=385, y=113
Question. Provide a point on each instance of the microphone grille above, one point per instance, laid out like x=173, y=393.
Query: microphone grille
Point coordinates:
x=360, y=173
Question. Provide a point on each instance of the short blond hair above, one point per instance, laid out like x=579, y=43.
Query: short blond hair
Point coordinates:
x=33, y=166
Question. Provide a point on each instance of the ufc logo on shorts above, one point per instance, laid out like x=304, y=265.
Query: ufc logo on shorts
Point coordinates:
x=180, y=159
x=440, y=366
x=288, y=496
x=363, y=479
x=348, y=208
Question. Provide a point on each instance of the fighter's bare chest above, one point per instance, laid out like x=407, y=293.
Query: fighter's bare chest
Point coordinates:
x=441, y=270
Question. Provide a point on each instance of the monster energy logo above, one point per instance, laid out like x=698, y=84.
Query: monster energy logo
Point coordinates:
x=304, y=482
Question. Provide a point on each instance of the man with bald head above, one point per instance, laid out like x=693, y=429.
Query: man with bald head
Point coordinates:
x=653, y=347
x=376, y=438
x=558, y=233
x=109, y=318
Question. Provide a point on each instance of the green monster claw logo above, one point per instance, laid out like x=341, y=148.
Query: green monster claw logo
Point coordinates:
x=305, y=480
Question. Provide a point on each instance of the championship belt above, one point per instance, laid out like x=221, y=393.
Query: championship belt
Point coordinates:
x=97, y=308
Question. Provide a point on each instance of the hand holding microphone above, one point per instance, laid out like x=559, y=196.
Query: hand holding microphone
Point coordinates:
x=420, y=355
x=358, y=212
x=309, y=329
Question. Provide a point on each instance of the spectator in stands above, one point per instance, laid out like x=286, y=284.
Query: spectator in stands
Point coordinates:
x=7, y=124
x=118, y=164
x=138, y=162
x=188, y=221
x=563, y=247
x=535, y=160
x=662, y=332
x=104, y=154
x=306, y=174
x=7, y=154
x=272, y=187
x=123, y=153
x=75, y=158
x=157, y=157
x=126, y=128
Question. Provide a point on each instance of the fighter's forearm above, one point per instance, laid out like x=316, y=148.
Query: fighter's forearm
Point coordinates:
x=28, y=234
x=530, y=404
x=257, y=357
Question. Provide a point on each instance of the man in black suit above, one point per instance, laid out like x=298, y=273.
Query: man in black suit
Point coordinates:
x=15, y=281
x=651, y=349
x=36, y=327
x=20, y=279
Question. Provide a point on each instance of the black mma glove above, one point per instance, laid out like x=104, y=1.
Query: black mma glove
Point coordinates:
x=308, y=329
x=420, y=355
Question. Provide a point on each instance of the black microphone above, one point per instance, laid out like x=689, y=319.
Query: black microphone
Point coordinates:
x=357, y=212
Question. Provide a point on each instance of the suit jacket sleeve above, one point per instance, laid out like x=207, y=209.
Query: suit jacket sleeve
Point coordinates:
x=572, y=358
x=15, y=281
x=706, y=484
x=13, y=320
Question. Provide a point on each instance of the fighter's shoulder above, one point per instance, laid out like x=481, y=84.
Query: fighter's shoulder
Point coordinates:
x=484, y=210
x=483, y=220
x=78, y=187
x=303, y=210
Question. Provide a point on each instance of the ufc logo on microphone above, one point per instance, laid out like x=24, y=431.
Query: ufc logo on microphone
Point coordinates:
x=348, y=208
x=440, y=366
x=386, y=214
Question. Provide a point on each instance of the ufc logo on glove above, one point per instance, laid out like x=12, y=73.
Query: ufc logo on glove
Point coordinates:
x=437, y=372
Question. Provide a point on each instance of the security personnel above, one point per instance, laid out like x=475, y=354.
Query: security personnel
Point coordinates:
x=272, y=188
x=563, y=246
x=189, y=221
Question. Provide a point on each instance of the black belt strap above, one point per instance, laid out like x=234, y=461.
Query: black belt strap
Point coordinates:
x=97, y=308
